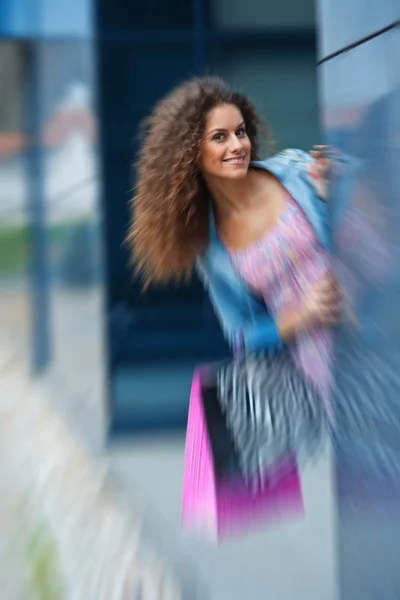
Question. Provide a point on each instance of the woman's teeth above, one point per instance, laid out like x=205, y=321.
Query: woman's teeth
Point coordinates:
x=235, y=160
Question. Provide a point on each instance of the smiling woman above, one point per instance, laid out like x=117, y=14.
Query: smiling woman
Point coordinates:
x=170, y=212
x=199, y=181
x=225, y=144
x=255, y=230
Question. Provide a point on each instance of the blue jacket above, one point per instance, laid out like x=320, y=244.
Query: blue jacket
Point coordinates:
x=239, y=311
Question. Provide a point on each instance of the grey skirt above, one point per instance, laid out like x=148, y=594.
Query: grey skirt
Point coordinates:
x=272, y=412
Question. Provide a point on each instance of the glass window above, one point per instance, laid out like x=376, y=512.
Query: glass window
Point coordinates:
x=14, y=242
x=128, y=92
x=139, y=15
x=61, y=18
x=11, y=97
x=127, y=96
x=41, y=18
x=13, y=230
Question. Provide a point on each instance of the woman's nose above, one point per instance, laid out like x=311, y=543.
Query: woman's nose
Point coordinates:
x=234, y=143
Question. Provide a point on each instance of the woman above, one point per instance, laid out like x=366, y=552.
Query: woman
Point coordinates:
x=255, y=230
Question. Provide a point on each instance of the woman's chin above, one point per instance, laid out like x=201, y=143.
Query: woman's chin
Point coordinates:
x=235, y=174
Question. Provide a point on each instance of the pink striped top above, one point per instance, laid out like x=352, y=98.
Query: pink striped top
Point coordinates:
x=281, y=267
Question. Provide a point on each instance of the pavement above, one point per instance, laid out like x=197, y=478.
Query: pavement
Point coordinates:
x=294, y=559
x=57, y=424
x=67, y=529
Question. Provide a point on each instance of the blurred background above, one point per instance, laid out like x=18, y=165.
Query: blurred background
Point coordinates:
x=80, y=78
x=103, y=361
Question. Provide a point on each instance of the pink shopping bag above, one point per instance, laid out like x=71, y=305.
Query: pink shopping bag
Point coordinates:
x=216, y=503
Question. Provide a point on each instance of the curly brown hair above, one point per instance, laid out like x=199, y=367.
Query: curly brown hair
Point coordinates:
x=170, y=211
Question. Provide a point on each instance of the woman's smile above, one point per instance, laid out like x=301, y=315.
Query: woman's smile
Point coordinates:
x=236, y=160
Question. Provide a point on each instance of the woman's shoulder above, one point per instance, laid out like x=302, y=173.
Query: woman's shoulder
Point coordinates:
x=291, y=163
x=291, y=157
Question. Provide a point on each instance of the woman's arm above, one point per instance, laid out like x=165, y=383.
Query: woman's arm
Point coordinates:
x=260, y=333
x=266, y=333
x=263, y=332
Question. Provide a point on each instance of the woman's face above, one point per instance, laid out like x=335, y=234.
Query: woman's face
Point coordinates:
x=225, y=147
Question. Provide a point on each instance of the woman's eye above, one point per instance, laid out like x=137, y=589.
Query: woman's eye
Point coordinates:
x=241, y=132
x=218, y=137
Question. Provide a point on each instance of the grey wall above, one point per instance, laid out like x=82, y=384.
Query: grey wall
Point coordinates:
x=360, y=97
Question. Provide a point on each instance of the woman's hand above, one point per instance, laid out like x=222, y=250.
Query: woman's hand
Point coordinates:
x=322, y=305
x=318, y=170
